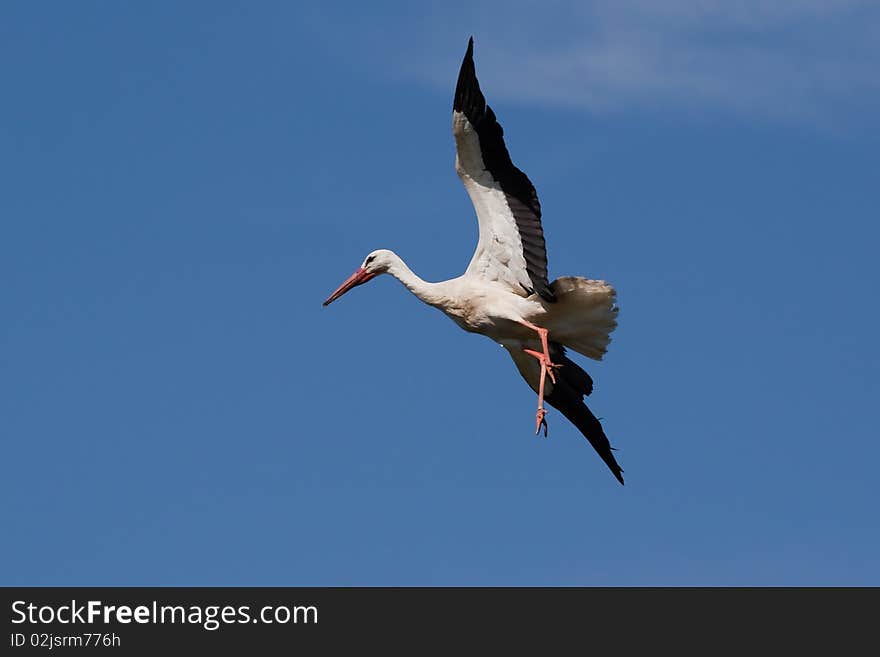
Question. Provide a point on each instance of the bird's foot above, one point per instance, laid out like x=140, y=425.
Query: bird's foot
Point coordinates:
x=545, y=361
x=541, y=421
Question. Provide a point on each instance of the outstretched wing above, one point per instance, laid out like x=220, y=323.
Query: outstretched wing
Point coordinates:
x=511, y=246
x=567, y=396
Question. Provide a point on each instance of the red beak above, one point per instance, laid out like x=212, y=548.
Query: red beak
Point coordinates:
x=360, y=277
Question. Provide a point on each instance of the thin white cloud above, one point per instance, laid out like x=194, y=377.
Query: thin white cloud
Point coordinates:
x=807, y=60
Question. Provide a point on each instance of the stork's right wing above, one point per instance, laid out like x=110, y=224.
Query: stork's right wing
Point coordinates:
x=511, y=248
x=567, y=396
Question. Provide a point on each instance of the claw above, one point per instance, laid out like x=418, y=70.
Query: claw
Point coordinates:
x=540, y=421
x=550, y=367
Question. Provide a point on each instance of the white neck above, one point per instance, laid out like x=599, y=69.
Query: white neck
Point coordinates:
x=427, y=292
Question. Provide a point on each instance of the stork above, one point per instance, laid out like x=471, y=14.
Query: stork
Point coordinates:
x=504, y=294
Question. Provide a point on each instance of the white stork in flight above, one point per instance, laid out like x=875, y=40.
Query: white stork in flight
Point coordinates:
x=504, y=293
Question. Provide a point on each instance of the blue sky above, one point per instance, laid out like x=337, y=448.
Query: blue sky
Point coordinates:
x=184, y=184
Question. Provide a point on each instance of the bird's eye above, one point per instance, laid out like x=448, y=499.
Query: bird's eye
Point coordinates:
x=370, y=259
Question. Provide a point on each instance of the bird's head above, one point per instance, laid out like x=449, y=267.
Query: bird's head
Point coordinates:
x=378, y=262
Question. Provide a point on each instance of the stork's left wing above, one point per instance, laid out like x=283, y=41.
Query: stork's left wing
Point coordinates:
x=567, y=396
x=511, y=247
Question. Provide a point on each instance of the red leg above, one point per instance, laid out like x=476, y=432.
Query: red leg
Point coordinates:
x=547, y=367
x=545, y=357
x=540, y=416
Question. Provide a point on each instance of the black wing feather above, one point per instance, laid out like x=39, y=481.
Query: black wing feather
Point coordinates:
x=567, y=396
